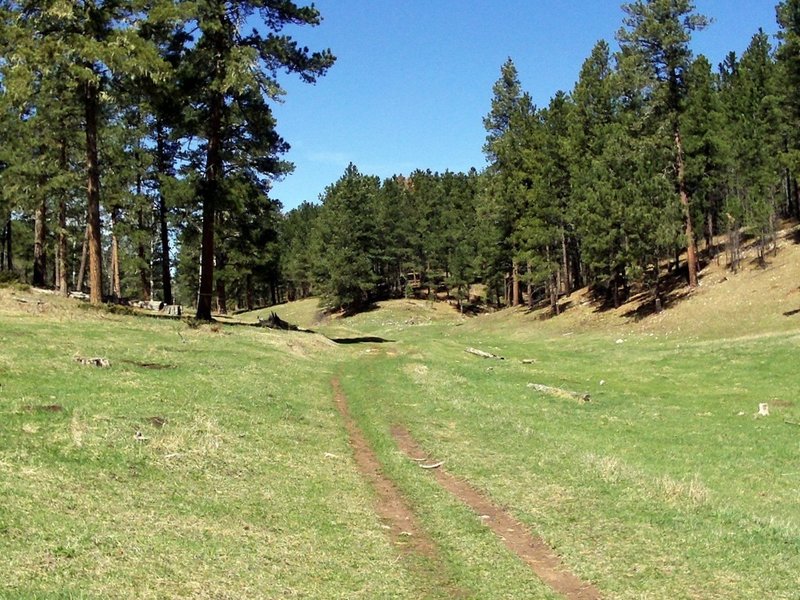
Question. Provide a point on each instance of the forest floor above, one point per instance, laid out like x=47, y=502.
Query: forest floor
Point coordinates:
x=221, y=461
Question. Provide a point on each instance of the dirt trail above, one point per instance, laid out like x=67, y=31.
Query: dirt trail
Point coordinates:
x=402, y=525
x=533, y=550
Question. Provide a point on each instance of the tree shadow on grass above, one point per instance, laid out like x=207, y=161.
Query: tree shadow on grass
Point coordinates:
x=673, y=290
x=546, y=311
x=361, y=340
x=352, y=311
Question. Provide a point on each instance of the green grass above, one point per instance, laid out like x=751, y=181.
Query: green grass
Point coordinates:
x=656, y=488
x=245, y=485
x=247, y=490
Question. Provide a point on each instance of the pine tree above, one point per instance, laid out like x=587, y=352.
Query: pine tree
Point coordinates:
x=230, y=76
x=346, y=242
x=703, y=123
x=788, y=56
x=296, y=254
x=590, y=123
x=753, y=130
x=398, y=228
x=658, y=32
x=500, y=204
x=93, y=41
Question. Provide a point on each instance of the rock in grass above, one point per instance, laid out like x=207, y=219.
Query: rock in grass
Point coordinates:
x=94, y=362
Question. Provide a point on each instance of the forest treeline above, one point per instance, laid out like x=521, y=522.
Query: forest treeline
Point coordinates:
x=157, y=114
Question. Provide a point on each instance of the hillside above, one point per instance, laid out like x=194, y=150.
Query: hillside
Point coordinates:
x=221, y=461
x=753, y=301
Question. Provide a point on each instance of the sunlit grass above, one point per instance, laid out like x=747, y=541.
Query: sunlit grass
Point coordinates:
x=205, y=464
x=211, y=461
x=664, y=485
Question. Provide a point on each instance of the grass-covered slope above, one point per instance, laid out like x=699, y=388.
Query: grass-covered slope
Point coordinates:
x=212, y=462
x=241, y=485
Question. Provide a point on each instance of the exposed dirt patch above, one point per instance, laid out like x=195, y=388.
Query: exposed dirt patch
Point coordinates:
x=402, y=525
x=781, y=403
x=150, y=365
x=53, y=408
x=157, y=422
x=531, y=549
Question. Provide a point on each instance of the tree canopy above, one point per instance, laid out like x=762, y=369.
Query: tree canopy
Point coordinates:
x=141, y=147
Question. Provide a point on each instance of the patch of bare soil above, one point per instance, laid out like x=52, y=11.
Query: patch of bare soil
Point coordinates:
x=157, y=422
x=402, y=525
x=531, y=549
x=54, y=408
x=149, y=365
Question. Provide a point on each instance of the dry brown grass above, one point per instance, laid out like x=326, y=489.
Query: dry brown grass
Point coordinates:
x=756, y=300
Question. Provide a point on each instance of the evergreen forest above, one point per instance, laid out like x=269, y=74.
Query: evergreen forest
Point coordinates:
x=138, y=149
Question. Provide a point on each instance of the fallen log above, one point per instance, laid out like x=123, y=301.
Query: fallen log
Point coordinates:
x=149, y=304
x=483, y=354
x=27, y=301
x=554, y=391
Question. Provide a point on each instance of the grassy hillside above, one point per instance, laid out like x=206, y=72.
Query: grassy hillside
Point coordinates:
x=205, y=462
x=212, y=461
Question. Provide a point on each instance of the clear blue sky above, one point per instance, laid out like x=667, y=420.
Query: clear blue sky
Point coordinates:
x=413, y=78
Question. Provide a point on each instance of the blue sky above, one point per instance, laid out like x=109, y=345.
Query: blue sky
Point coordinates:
x=413, y=78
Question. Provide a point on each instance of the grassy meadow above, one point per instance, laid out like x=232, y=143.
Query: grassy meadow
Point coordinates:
x=211, y=462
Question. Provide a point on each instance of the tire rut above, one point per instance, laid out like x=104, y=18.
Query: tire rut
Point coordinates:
x=402, y=525
x=533, y=550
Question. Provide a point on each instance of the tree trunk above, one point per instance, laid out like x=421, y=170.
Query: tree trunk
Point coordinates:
x=222, y=297
x=710, y=234
x=211, y=187
x=95, y=243
x=62, y=282
x=553, y=284
x=39, y=245
x=63, y=279
x=3, y=247
x=515, y=284
x=9, y=245
x=656, y=290
x=795, y=197
x=787, y=188
x=273, y=291
x=530, y=287
x=161, y=163
x=554, y=294
x=691, y=248
x=141, y=253
x=565, y=264
x=116, y=283
x=249, y=292
x=84, y=255
x=733, y=244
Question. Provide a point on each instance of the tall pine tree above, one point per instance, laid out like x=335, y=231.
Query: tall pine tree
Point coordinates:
x=659, y=32
x=231, y=75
